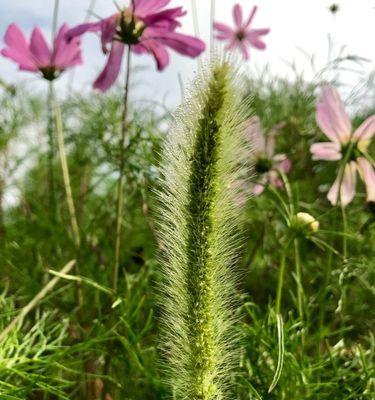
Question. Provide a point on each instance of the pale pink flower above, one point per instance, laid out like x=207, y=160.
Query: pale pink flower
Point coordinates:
x=268, y=165
x=146, y=28
x=37, y=56
x=344, y=145
x=242, y=36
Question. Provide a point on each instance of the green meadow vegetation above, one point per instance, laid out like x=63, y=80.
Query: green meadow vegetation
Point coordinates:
x=220, y=250
x=112, y=343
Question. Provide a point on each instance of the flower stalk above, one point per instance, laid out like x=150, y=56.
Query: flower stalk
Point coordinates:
x=121, y=179
x=65, y=170
x=51, y=154
x=280, y=282
x=298, y=278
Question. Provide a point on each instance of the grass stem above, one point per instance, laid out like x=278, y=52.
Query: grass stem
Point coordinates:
x=51, y=154
x=280, y=282
x=29, y=306
x=298, y=279
x=121, y=179
x=65, y=170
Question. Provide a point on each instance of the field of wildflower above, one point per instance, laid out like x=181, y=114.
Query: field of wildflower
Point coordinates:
x=220, y=249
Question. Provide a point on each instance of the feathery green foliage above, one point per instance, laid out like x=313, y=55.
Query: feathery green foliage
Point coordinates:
x=204, y=161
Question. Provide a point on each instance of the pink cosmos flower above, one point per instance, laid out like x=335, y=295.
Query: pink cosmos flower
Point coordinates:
x=344, y=144
x=147, y=28
x=267, y=164
x=242, y=36
x=37, y=55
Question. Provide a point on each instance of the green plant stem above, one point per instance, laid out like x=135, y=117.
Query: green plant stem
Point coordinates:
x=29, y=306
x=298, y=279
x=345, y=255
x=121, y=179
x=280, y=282
x=51, y=154
x=194, y=10
x=212, y=33
x=65, y=171
x=345, y=229
x=324, y=300
x=2, y=224
x=68, y=190
x=300, y=294
x=55, y=20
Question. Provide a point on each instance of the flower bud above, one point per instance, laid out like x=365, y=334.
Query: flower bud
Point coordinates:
x=307, y=220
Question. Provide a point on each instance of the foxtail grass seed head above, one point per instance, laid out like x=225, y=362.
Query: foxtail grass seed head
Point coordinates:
x=205, y=159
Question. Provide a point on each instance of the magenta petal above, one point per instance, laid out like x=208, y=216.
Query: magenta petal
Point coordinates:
x=66, y=54
x=108, y=28
x=237, y=15
x=244, y=50
x=223, y=29
x=366, y=130
x=332, y=117
x=271, y=144
x=83, y=28
x=224, y=32
x=39, y=49
x=17, y=48
x=112, y=69
x=258, y=189
x=157, y=50
x=282, y=163
x=251, y=16
x=367, y=174
x=233, y=44
x=183, y=44
x=144, y=8
x=326, y=151
x=223, y=36
x=255, y=134
x=166, y=19
x=139, y=49
x=274, y=179
x=254, y=37
x=347, y=189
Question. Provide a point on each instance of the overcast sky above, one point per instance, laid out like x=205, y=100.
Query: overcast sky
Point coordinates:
x=298, y=28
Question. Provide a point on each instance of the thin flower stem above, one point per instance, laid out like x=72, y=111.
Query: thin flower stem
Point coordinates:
x=300, y=293
x=195, y=17
x=196, y=26
x=212, y=38
x=65, y=170
x=51, y=155
x=298, y=279
x=120, y=183
x=345, y=255
x=280, y=282
x=326, y=290
x=345, y=229
x=55, y=20
x=68, y=188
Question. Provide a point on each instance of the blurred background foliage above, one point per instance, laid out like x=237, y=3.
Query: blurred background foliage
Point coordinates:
x=60, y=349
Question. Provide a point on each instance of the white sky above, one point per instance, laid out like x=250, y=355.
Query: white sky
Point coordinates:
x=295, y=25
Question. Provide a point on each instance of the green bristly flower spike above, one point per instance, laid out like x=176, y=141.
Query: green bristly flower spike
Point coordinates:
x=205, y=161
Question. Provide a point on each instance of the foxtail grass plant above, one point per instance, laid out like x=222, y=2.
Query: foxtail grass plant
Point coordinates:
x=205, y=159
